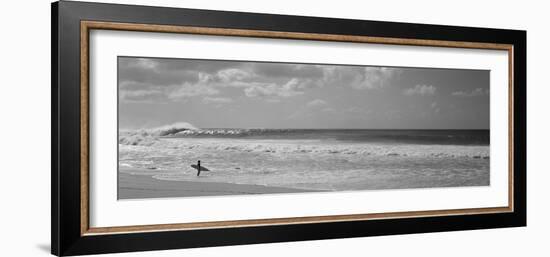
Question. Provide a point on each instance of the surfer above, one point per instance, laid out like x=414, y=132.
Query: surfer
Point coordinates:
x=199, y=168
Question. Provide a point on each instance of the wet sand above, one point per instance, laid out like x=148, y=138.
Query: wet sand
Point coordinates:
x=144, y=186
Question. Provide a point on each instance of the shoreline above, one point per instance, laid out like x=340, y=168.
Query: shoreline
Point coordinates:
x=145, y=186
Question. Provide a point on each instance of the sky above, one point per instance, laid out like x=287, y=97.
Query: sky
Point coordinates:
x=244, y=94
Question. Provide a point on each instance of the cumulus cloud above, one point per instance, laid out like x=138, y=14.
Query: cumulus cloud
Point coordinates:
x=148, y=93
x=376, y=77
x=233, y=74
x=217, y=100
x=471, y=93
x=141, y=96
x=316, y=103
x=176, y=79
x=135, y=89
x=360, y=78
x=272, y=89
x=422, y=90
x=189, y=90
x=285, y=70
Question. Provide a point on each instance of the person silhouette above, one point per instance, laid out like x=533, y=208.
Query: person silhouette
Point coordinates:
x=198, y=168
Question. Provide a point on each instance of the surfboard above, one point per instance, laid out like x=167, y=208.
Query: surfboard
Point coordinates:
x=194, y=166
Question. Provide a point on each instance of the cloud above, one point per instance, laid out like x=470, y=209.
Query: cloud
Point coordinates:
x=145, y=63
x=328, y=109
x=217, y=100
x=140, y=96
x=233, y=74
x=189, y=90
x=176, y=79
x=472, y=93
x=135, y=86
x=288, y=89
x=316, y=103
x=262, y=79
x=149, y=92
x=286, y=70
x=204, y=77
x=376, y=77
x=423, y=90
x=361, y=78
x=133, y=92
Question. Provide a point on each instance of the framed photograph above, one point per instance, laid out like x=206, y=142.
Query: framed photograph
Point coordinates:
x=178, y=128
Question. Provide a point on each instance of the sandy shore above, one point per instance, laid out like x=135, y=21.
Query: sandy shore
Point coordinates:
x=144, y=186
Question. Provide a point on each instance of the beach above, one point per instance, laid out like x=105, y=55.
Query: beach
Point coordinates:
x=133, y=186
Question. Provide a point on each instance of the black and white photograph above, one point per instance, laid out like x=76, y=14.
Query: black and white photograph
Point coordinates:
x=198, y=127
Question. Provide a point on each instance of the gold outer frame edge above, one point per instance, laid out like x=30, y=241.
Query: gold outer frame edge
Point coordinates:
x=86, y=26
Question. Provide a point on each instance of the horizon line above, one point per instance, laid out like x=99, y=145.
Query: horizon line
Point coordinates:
x=323, y=128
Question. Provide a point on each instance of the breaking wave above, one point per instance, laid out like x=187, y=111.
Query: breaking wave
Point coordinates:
x=183, y=136
x=175, y=146
x=321, y=149
x=147, y=137
x=441, y=137
x=334, y=159
x=171, y=129
x=235, y=132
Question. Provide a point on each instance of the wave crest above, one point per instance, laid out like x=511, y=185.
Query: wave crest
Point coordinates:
x=171, y=129
x=220, y=132
x=148, y=137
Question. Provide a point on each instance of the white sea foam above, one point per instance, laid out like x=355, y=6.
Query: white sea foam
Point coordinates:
x=300, y=163
x=312, y=147
x=171, y=129
x=148, y=137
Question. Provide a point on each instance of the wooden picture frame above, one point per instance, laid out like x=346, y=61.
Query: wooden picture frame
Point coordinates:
x=71, y=25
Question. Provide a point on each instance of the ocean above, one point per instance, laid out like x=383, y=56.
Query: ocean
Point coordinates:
x=311, y=159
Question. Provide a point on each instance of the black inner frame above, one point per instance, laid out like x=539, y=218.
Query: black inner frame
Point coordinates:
x=65, y=166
